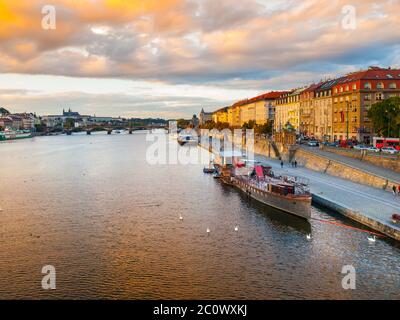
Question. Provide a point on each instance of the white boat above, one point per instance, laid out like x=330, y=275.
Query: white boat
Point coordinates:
x=10, y=134
x=185, y=138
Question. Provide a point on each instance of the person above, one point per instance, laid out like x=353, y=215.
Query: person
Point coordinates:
x=281, y=164
x=394, y=189
x=295, y=163
x=399, y=189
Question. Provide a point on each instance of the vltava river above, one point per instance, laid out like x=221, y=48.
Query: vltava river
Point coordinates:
x=108, y=221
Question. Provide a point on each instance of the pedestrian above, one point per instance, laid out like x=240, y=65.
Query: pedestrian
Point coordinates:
x=295, y=163
x=281, y=164
x=398, y=189
x=394, y=189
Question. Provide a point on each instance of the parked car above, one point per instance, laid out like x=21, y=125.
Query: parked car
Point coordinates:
x=313, y=143
x=373, y=149
x=389, y=150
x=360, y=147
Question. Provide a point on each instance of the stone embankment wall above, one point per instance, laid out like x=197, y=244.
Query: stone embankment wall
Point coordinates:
x=384, y=161
x=338, y=169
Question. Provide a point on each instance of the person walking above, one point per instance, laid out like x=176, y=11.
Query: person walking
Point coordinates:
x=394, y=189
x=281, y=164
x=398, y=188
x=295, y=163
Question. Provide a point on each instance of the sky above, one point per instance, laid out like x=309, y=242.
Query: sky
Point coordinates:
x=170, y=58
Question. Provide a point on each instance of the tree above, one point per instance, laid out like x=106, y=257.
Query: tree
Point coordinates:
x=385, y=116
x=182, y=123
x=69, y=123
x=249, y=125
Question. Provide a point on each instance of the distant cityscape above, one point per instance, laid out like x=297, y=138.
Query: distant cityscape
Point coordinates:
x=68, y=119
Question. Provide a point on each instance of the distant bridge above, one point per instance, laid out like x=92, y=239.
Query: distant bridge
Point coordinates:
x=110, y=129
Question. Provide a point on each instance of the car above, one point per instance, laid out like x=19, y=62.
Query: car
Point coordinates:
x=373, y=149
x=360, y=147
x=389, y=150
x=313, y=143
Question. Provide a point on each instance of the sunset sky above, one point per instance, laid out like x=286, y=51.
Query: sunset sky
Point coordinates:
x=170, y=58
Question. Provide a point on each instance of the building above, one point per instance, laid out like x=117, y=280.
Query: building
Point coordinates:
x=4, y=112
x=323, y=111
x=260, y=109
x=287, y=110
x=307, y=110
x=204, y=117
x=354, y=94
x=221, y=115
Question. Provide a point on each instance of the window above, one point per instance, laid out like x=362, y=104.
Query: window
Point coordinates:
x=380, y=85
x=347, y=88
x=341, y=99
x=341, y=89
x=354, y=98
x=336, y=90
x=392, y=86
x=335, y=100
x=379, y=96
x=367, y=85
x=367, y=97
x=354, y=87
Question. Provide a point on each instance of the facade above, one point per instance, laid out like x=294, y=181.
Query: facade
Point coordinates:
x=204, y=117
x=288, y=110
x=307, y=114
x=221, y=115
x=354, y=94
x=323, y=112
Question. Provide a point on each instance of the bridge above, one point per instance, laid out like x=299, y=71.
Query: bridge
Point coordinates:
x=110, y=129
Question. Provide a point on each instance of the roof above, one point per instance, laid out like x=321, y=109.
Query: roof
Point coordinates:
x=224, y=109
x=265, y=96
x=372, y=73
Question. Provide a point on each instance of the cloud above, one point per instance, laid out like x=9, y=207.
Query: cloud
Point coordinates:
x=253, y=45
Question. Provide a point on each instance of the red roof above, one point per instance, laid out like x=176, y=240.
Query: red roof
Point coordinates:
x=373, y=73
x=265, y=96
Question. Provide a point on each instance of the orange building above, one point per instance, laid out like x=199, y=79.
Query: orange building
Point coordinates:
x=354, y=94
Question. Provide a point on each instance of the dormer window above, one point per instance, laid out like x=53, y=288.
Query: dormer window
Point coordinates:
x=341, y=89
x=367, y=85
x=380, y=85
x=347, y=88
x=336, y=90
x=354, y=87
x=392, y=86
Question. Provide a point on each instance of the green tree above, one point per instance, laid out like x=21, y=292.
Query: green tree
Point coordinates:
x=182, y=123
x=385, y=116
x=249, y=125
x=69, y=123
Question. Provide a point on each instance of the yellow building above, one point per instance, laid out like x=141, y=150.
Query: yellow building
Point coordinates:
x=221, y=115
x=323, y=111
x=288, y=110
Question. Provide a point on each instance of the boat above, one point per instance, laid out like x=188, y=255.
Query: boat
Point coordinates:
x=210, y=169
x=286, y=193
x=10, y=134
x=396, y=218
x=185, y=139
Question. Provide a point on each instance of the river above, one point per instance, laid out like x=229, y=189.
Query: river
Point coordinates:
x=108, y=221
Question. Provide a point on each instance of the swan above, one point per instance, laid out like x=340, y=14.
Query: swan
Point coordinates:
x=308, y=237
x=180, y=217
x=371, y=239
x=208, y=230
x=236, y=228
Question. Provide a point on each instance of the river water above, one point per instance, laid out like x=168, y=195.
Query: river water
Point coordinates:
x=108, y=221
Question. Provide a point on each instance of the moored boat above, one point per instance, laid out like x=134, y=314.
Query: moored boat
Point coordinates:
x=9, y=134
x=288, y=194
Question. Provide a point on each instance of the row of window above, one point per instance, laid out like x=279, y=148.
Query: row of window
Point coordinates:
x=367, y=85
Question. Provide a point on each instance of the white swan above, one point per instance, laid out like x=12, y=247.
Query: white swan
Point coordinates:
x=308, y=237
x=208, y=230
x=372, y=239
x=236, y=228
x=180, y=217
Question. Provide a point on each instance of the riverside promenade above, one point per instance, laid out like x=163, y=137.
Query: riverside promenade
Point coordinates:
x=367, y=205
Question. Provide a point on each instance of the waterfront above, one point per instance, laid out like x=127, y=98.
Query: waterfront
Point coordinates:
x=109, y=222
